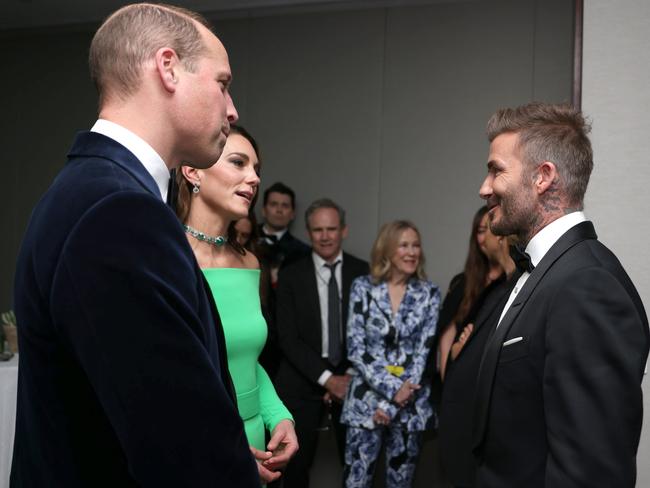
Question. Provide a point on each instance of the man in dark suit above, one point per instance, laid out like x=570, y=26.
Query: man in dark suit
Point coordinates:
x=279, y=210
x=559, y=401
x=277, y=248
x=312, y=313
x=123, y=378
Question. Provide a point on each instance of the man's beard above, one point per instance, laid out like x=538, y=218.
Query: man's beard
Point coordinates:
x=517, y=215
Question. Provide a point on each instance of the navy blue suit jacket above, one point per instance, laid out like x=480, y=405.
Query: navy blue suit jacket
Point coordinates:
x=123, y=377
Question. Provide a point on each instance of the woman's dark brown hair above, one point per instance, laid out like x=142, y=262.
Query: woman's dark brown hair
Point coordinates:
x=476, y=269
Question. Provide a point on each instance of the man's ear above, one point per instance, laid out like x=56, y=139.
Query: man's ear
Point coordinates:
x=546, y=176
x=344, y=231
x=167, y=67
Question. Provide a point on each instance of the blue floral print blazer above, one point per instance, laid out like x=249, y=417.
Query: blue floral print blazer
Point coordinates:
x=381, y=346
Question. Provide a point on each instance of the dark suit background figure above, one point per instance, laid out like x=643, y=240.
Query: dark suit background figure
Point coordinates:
x=559, y=400
x=284, y=251
x=277, y=248
x=299, y=325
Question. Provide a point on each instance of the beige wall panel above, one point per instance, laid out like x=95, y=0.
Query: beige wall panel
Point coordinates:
x=616, y=71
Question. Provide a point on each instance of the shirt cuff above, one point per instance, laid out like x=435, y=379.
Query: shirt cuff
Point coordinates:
x=322, y=379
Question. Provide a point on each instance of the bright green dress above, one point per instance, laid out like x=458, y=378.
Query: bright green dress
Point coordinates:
x=236, y=293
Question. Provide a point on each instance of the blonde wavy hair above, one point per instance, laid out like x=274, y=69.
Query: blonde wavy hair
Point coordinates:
x=385, y=246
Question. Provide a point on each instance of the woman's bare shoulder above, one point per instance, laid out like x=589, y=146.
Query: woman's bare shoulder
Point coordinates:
x=250, y=261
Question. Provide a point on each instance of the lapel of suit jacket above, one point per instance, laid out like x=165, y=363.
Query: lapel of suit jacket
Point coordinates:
x=496, y=297
x=381, y=297
x=490, y=360
x=307, y=290
x=412, y=302
x=93, y=144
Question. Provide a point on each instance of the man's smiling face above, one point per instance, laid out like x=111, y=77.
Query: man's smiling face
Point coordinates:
x=508, y=188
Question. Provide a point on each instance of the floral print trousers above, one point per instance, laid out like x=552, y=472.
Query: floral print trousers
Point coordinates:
x=362, y=449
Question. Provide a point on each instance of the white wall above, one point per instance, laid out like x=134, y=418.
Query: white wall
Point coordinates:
x=616, y=94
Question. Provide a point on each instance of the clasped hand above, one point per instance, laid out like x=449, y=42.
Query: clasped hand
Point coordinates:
x=337, y=386
x=406, y=393
x=458, y=346
x=281, y=448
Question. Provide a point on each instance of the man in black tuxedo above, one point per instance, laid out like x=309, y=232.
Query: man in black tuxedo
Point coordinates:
x=313, y=296
x=559, y=401
x=123, y=377
x=279, y=210
x=277, y=248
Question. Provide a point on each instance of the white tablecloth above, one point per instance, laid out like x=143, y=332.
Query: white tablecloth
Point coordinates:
x=8, y=393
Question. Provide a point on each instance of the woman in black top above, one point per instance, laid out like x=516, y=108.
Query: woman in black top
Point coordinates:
x=457, y=402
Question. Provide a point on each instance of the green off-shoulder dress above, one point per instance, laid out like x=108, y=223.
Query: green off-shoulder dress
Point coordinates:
x=236, y=293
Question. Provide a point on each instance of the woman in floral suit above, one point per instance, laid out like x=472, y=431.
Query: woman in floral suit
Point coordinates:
x=391, y=327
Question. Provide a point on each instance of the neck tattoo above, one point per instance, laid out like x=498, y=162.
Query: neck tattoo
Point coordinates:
x=197, y=234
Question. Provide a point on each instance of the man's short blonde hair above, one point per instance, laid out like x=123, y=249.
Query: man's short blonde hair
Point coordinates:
x=131, y=36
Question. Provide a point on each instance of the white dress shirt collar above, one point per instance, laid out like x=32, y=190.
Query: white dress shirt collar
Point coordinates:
x=320, y=262
x=545, y=238
x=149, y=158
x=277, y=233
x=539, y=246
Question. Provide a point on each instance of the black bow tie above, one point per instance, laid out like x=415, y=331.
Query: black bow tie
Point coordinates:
x=521, y=259
x=270, y=238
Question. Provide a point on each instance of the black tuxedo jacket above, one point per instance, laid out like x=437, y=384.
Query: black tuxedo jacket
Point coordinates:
x=299, y=325
x=123, y=377
x=562, y=406
x=283, y=252
x=456, y=410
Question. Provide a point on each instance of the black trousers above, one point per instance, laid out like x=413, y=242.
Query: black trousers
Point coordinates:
x=310, y=416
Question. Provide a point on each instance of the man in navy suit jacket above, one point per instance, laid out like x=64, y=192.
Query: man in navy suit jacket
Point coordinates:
x=123, y=378
x=558, y=400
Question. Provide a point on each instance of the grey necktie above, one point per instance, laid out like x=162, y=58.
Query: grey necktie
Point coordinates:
x=335, y=346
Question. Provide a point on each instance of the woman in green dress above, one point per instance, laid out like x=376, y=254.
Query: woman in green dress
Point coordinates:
x=210, y=201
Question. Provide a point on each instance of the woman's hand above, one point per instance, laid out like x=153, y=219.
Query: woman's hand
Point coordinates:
x=405, y=393
x=266, y=475
x=283, y=445
x=457, y=346
x=381, y=417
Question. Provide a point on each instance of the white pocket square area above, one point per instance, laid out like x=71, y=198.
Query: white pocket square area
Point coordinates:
x=512, y=341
